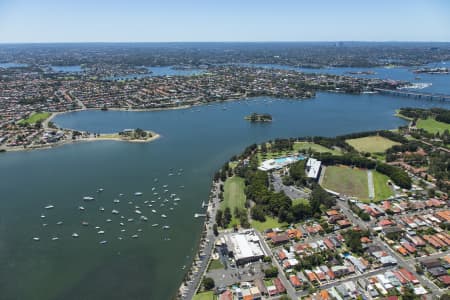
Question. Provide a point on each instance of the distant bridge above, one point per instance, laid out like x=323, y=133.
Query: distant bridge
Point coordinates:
x=417, y=95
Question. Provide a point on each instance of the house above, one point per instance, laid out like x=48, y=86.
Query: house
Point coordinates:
x=279, y=285
x=280, y=239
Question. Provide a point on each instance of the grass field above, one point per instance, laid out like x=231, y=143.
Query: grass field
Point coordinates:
x=35, y=117
x=269, y=223
x=215, y=264
x=234, y=196
x=205, y=296
x=371, y=144
x=347, y=181
x=382, y=190
x=433, y=126
x=300, y=200
x=315, y=147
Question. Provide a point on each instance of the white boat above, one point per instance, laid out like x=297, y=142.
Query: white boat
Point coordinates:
x=49, y=207
x=139, y=230
x=136, y=207
x=166, y=227
x=155, y=180
x=44, y=225
x=103, y=242
x=146, y=201
x=166, y=185
x=153, y=211
x=155, y=225
x=75, y=235
x=88, y=198
x=163, y=216
x=176, y=199
x=102, y=209
x=155, y=193
x=170, y=174
x=144, y=218
x=115, y=211
x=119, y=238
x=36, y=238
x=108, y=220
x=120, y=195
x=165, y=191
x=172, y=195
x=84, y=223
x=100, y=190
x=59, y=223
x=135, y=236
x=130, y=220
x=138, y=194
x=116, y=201
x=55, y=238
x=153, y=201
x=122, y=230
x=121, y=224
x=149, y=205
x=80, y=207
x=97, y=227
x=101, y=232
x=138, y=211
x=153, y=188
x=171, y=208
x=42, y=216
x=130, y=202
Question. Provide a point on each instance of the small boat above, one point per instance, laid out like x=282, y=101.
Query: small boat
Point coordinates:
x=120, y=195
x=119, y=238
x=181, y=186
x=155, y=225
x=162, y=204
x=80, y=207
x=115, y=211
x=97, y=227
x=153, y=211
x=44, y=225
x=138, y=211
x=176, y=199
x=166, y=227
x=146, y=201
x=139, y=230
x=100, y=190
x=170, y=174
x=102, y=209
x=171, y=208
x=103, y=242
x=166, y=185
x=135, y=236
x=130, y=220
x=136, y=207
x=108, y=220
x=121, y=224
x=155, y=193
x=166, y=200
x=165, y=191
x=59, y=223
x=36, y=238
x=155, y=180
x=153, y=201
x=153, y=188
x=144, y=218
x=101, y=232
x=42, y=216
x=172, y=195
x=116, y=201
x=138, y=194
x=175, y=203
x=55, y=238
x=122, y=230
x=149, y=205
x=49, y=207
x=88, y=198
x=75, y=235
x=163, y=216
x=84, y=223
x=130, y=202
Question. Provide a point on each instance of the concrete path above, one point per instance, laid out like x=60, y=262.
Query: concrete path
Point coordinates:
x=370, y=184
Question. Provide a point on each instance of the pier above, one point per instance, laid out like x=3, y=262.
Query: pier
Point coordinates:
x=412, y=94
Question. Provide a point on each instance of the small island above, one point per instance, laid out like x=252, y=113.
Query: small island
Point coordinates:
x=254, y=117
x=129, y=135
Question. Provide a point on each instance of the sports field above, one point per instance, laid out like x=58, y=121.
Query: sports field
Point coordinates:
x=382, y=189
x=35, y=117
x=234, y=195
x=371, y=144
x=347, y=181
x=315, y=147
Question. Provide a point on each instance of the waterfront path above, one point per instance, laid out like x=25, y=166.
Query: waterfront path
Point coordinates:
x=206, y=247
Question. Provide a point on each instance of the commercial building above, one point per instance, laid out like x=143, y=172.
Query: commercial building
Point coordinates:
x=244, y=247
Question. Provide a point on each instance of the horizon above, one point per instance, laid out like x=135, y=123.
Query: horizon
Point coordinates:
x=175, y=21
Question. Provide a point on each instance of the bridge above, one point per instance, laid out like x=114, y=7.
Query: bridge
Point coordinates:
x=412, y=94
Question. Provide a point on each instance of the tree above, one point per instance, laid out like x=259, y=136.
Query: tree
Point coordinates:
x=215, y=231
x=226, y=216
x=219, y=218
x=208, y=283
x=271, y=272
x=258, y=214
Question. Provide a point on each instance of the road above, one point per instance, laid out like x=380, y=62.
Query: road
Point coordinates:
x=289, y=288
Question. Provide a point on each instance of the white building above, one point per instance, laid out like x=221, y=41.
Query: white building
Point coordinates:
x=244, y=246
x=313, y=168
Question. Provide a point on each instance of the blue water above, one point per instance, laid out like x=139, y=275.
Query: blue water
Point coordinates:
x=161, y=71
x=67, y=69
x=284, y=159
x=8, y=65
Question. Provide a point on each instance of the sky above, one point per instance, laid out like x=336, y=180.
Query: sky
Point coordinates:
x=35, y=21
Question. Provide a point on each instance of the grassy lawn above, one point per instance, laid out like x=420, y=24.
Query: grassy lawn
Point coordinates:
x=205, y=296
x=35, y=117
x=433, y=126
x=234, y=196
x=371, y=144
x=215, y=264
x=269, y=223
x=315, y=147
x=382, y=190
x=347, y=181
